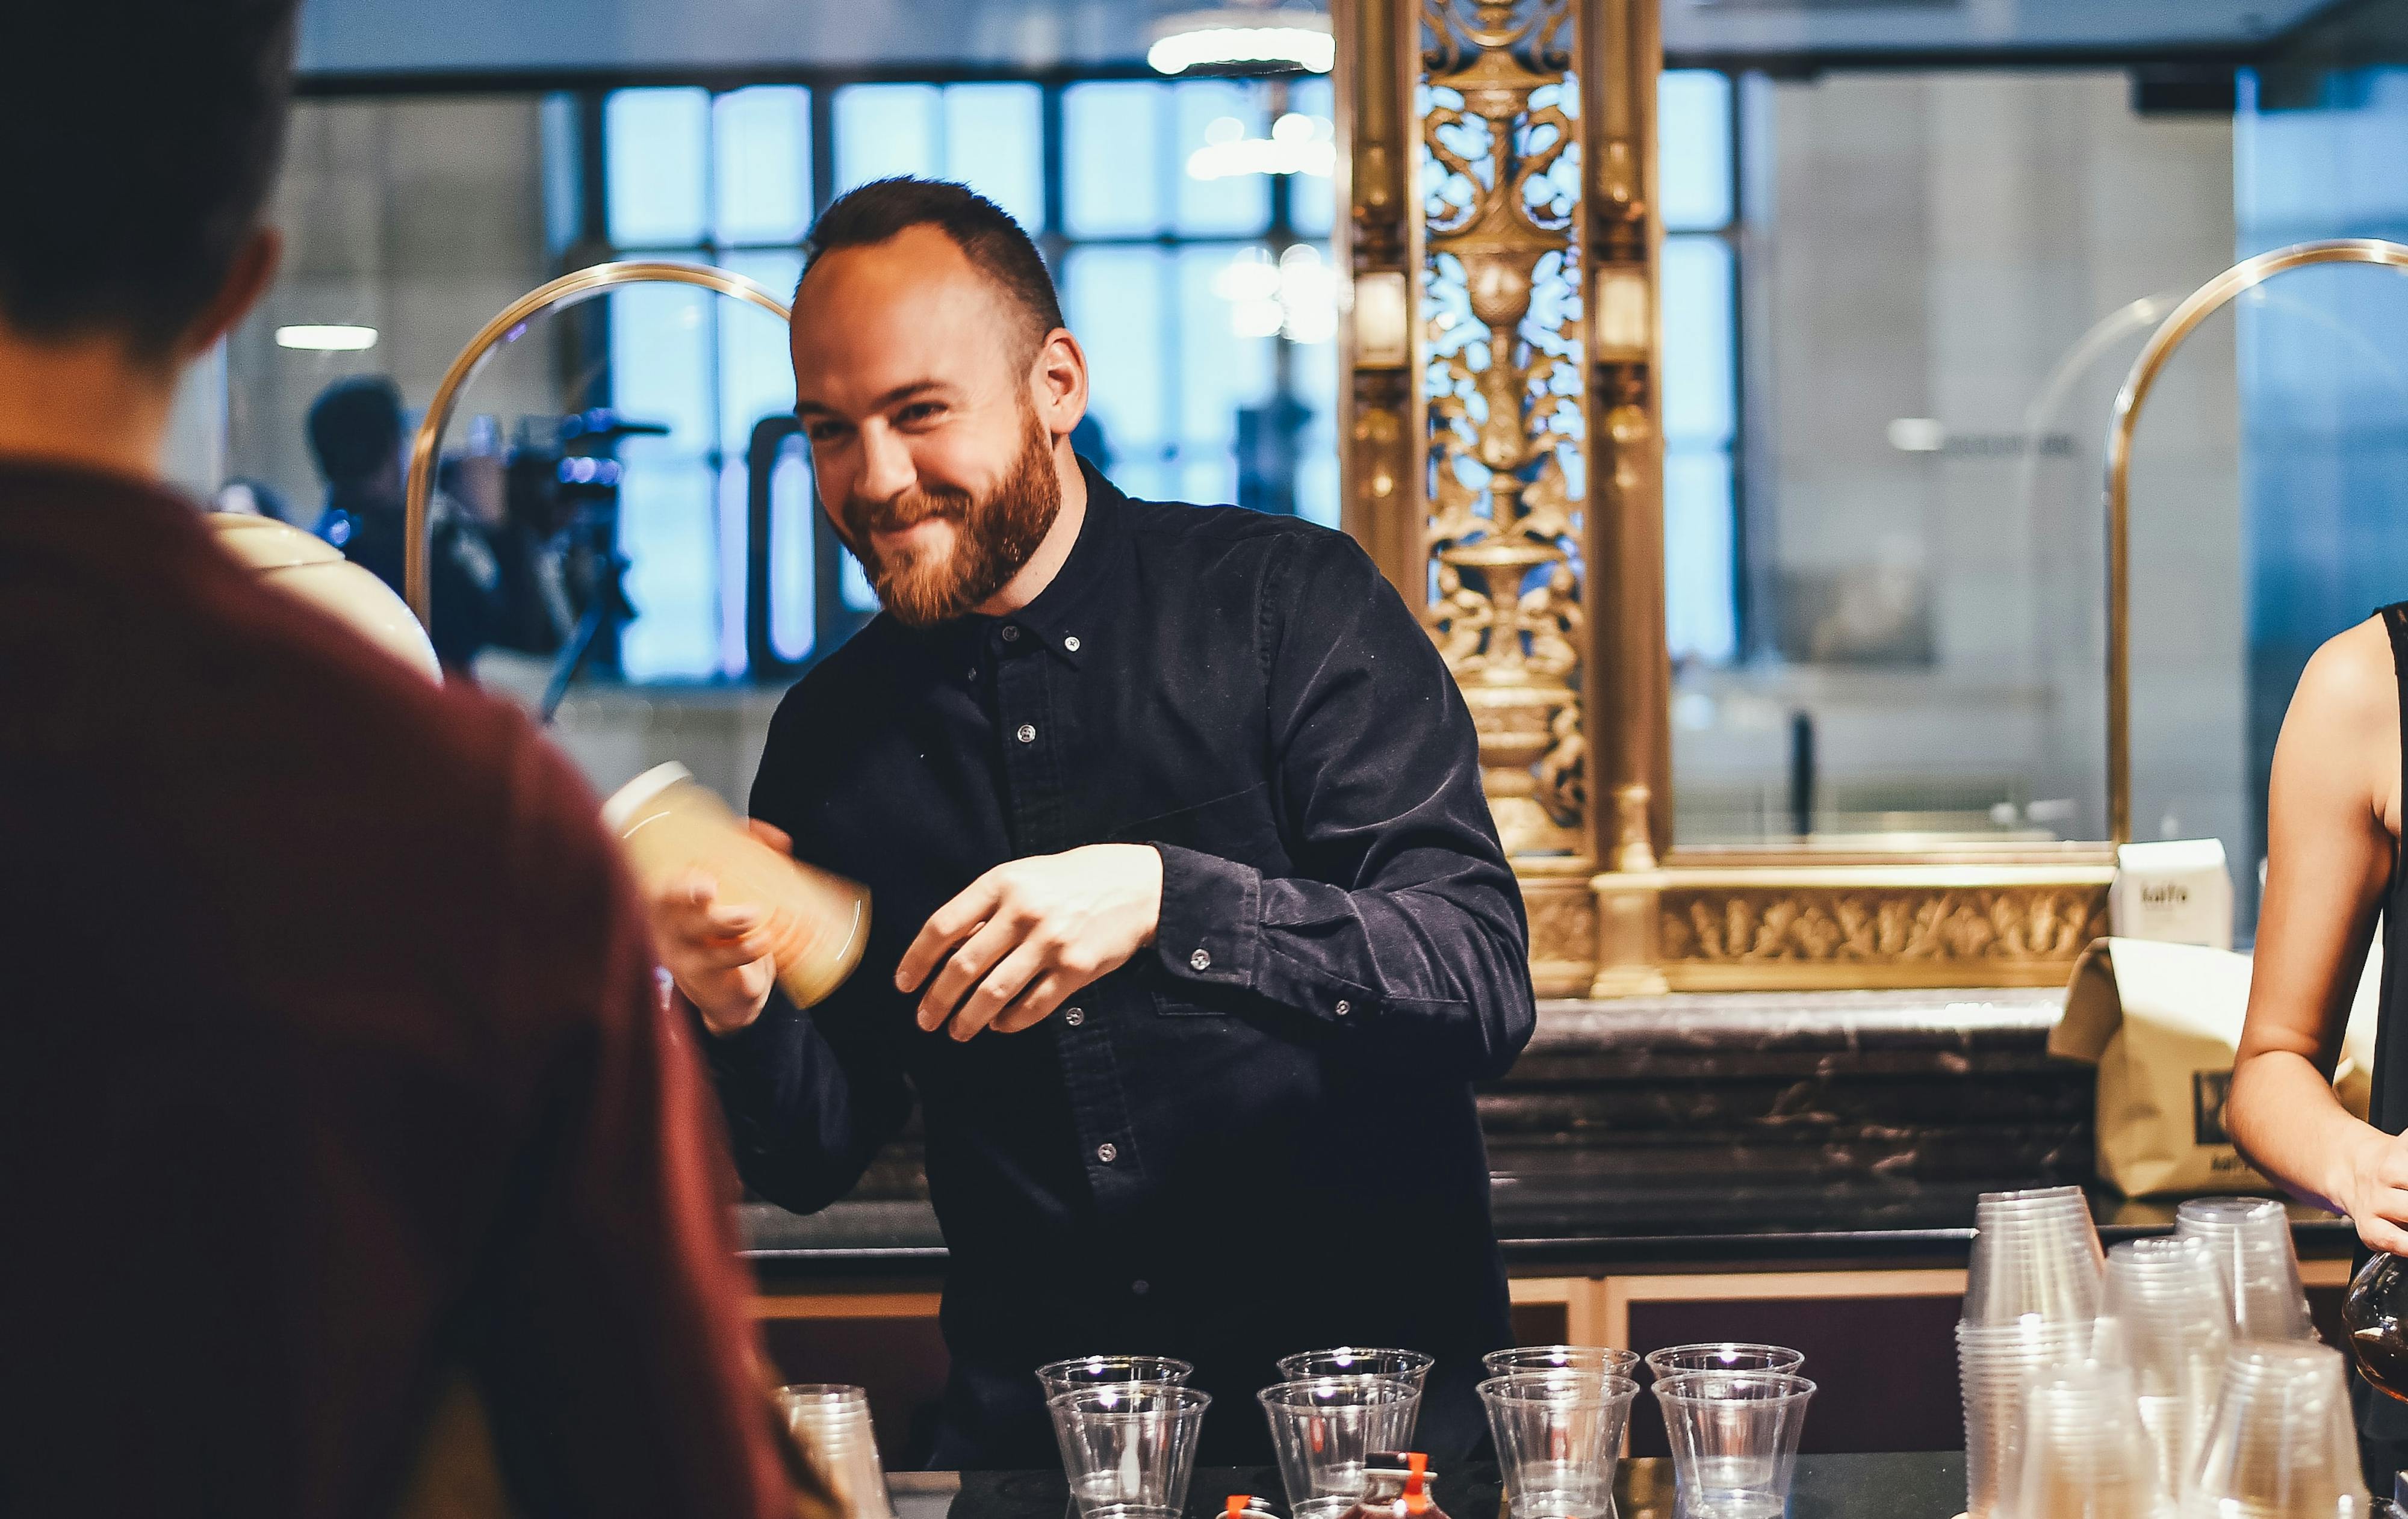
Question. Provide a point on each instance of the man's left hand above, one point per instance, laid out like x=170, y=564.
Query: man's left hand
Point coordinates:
x=1026, y=935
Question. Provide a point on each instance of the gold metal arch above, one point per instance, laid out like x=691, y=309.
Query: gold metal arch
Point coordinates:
x=2203, y=303
x=569, y=290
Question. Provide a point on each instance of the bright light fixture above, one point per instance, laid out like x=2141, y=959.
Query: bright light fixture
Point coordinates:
x=1239, y=36
x=326, y=337
x=1298, y=145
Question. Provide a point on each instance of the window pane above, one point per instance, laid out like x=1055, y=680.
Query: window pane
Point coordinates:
x=1234, y=203
x=1114, y=299
x=794, y=584
x=1222, y=360
x=756, y=376
x=1700, y=610
x=1699, y=400
x=666, y=529
x=563, y=190
x=1693, y=121
x=1311, y=198
x=882, y=130
x=762, y=141
x=995, y=143
x=1112, y=160
x=659, y=366
x=654, y=166
x=731, y=537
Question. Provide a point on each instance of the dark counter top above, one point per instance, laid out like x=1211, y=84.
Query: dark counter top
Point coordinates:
x=1913, y=1486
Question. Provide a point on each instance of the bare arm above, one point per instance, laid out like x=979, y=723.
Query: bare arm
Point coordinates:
x=2332, y=824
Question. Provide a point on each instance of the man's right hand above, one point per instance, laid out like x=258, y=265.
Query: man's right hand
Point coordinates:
x=716, y=951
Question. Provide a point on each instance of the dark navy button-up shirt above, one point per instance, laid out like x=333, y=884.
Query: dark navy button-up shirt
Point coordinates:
x=1258, y=1137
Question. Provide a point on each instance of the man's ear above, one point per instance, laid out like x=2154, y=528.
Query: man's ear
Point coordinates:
x=1058, y=381
x=246, y=280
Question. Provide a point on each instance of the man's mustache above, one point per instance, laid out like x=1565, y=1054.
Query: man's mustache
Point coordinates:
x=906, y=511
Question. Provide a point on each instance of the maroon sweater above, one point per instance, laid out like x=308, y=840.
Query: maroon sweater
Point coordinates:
x=329, y=1067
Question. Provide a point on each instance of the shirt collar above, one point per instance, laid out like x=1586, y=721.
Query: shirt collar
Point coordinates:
x=1064, y=616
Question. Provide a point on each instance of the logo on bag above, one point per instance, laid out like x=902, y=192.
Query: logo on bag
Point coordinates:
x=2209, y=1091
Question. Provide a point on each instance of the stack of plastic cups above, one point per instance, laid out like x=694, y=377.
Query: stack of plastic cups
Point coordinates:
x=2164, y=1317
x=2280, y=1443
x=831, y=1423
x=2084, y=1453
x=2032, y=1303
x=2250, y=1239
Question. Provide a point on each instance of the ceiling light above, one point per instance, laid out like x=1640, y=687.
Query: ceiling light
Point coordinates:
x=326, y=337
x=1241, y=37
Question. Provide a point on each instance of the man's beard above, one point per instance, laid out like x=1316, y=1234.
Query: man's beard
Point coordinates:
x=993, y=535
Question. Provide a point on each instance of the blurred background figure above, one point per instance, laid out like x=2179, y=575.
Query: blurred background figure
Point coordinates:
x=355, y=432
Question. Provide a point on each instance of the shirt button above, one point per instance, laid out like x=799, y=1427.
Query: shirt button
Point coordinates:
x=971, y=676
x=1344, y=1008
x=1010, y=633
x=1074, y=1017
x=1071, y=644
x=1140, y=1286
x=1200, y=960
x=1108, y=1153
x=1028, y=734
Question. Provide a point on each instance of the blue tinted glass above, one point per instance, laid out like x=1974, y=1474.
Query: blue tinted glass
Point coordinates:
x=1316, y=481
x=1113, y=159
x=761, y=144
x=564, y=194
x=756, y=378
x=660, y=360
x=852, y=585
x=882, y=130
x=995, y=143
x=1694, y=157
x=1700, y=401
x=794, y=580
x=653, y=166
x=1113, y=300
x=732, y=540
x=667, y=530
x=1700, y=607
x=1226, y=328
x=1204, y=111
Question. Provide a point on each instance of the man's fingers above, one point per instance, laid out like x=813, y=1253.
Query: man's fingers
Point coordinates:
x=2383, y=1235
x=1037, y=1004
x=945, y=929
x=962, y=973
x=771, y=835
x=998, y=988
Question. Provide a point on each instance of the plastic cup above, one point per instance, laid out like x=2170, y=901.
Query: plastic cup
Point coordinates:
x=2166, y=1319
x=831, y=1424
x=1103, y=1370
x=1409, y=1366
x=1725, y=1355
x=1129, y=1448
x=1590, y=1358
x=1734, y=1438
x=2034, y=1252
x=1558, y=1439
x=2250, y=1238
x=1996, y=1363
x=2280, y=1440
x=2085, y=1453
x=1325, y=1430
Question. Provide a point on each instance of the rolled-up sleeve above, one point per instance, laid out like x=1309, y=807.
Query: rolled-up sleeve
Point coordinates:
x=1401, y=921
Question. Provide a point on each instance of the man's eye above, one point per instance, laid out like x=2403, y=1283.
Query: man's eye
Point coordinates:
x=920, y=411
x=824, y=432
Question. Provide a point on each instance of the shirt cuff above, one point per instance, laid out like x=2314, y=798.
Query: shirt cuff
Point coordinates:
x=1210, y=929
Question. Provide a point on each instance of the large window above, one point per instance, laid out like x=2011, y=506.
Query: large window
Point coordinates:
x=1187, y=225
x=1697, y=118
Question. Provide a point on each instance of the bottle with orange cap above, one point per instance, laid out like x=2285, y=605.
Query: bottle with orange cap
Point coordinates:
x=1397, y=1484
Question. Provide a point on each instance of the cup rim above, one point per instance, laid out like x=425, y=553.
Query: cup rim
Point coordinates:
x=1059, y=1375
x=1182, y=1396
x=1413, y=1360
x=1392, y=1391
x=1677, y=1387
x=824, y=1392
x=1717, y=1347
x=1585, y=1389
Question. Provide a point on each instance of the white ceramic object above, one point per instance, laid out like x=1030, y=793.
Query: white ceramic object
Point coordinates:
x=308, y=567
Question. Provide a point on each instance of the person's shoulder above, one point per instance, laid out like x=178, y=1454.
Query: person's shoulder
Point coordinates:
x=1178, y=521
x=1281, y=548
x=2351, y=683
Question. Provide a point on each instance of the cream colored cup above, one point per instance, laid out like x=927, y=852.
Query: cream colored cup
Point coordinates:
x=817, y=920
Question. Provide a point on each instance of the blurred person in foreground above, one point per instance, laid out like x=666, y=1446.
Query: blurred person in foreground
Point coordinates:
x=355, y=438
x=335, y=1094
x=2333, y=874
x=1192, y=930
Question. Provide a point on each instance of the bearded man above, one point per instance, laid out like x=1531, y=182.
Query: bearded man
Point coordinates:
x=1191, y=927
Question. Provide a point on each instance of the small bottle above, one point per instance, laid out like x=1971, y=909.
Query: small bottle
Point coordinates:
x=1397, y=1484
x=2373, y=1312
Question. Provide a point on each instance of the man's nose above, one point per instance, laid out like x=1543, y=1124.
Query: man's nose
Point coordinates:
x=886, y=468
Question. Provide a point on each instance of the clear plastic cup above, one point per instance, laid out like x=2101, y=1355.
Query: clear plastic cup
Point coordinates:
x=830, y=1422
x=2084, y=1453
x=2250, y=1238
x=1996, y=1363
x=2280, y=1440
x=1325, y=1430
x=1592, y=1358
x=1558, y=1439
x=1129, y=1448
x=1725, y=1355
x=1409, y=1366
x=1734, y=1438
x=2165, y=1319
x=1102, y=1371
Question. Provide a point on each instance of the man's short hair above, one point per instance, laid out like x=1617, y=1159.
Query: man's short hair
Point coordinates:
x=983, y=231
x=141, y=138
x=355, y=428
